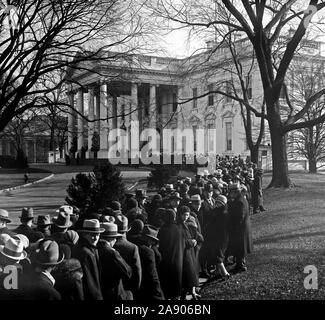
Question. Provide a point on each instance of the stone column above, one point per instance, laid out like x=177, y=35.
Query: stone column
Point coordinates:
x=91, y=125
x=80, y=108
x=70, y=119
x=133, y=133
x=103, y=115
x=152, y=107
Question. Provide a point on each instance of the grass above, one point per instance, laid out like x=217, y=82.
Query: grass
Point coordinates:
x=287, y=238
x=15, y=177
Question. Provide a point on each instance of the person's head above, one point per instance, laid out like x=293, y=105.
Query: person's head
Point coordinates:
x=149, y=235
x=12, y=252
x=4, y=218
x=183, y=213
x=43, y=222
x=196, y=202
x=234, y=191
x=62, y=222
x=221, y=201
x=110, y=233
x=131, y=204
x=169, y=216
x=27, y=216
x=175, y=200
x=91, y=231
x=46, y=254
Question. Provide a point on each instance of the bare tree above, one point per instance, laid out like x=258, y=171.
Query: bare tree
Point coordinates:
x=306, y=78
x=265, y=24
x=42, y=37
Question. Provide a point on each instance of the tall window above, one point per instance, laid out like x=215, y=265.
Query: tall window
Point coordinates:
x=249, y=86
x=228, y=91
x=228, y=136
x=211, y=95
x=194, y=91
x=194, y=137
x=174, y=102
x=211, y=137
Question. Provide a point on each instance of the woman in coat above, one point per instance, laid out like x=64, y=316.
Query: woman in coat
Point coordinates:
x=217, y=236
x=190, y=278
x=171, y=247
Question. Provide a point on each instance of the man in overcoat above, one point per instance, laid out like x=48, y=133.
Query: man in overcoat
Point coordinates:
x=86, y=252
x=240, y=239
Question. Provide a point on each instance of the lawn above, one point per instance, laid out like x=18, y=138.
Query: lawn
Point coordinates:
x=15, y=177
x=287, y=238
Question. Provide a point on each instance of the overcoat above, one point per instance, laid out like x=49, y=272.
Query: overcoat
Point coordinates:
x=89, y=260
x=171, y=246
x=130, y=253
x=113, y=270
x=217, y=235
x=190, y=277
x=240, y=239
x=257, y=192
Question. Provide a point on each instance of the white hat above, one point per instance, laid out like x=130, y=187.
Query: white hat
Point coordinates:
x=13, y=249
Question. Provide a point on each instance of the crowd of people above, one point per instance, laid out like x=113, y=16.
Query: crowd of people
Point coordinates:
x=144, y=249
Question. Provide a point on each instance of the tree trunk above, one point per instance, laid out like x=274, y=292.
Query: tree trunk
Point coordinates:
x=280, y=172
x=254, y=154
x=312, y=165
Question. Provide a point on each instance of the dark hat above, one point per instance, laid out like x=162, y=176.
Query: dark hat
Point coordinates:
x=4, y=215
x=140, y=193
x=115, y=205
x=157, y=197
x=44, y=220
x=110, y=230
x=150, y=232
x=208, y=187
x=136, y=227
x=107, y=211
x=129, y=195
x=91, y=226
x=175, y=195
x=27, y=214
x=63, y=218
x=47, y=253
x=234, y=187
x=122, y=223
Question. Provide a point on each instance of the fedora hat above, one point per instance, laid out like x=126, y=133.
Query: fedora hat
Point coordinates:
x=122, y=223
x=4, y=215
x=23, y=239
x=13, y=249
x=208, y=187
x=195, y=198
x=234, y=187
x=27, y=214
x=150, y=232
x=221, y=199
x=110, y=230
x=47, y=253
x=175, y=195
x=63, y=218
x=91, y=226
x=140, y=193
x=43, y=220
x=107, y=219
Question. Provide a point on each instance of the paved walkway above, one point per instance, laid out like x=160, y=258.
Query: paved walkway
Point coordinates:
x=46, y=196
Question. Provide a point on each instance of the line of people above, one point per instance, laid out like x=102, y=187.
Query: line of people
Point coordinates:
x=139, y=250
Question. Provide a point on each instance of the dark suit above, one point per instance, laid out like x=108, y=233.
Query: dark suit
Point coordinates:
x=150, y=289
x=31, y=234
x=130, y=253
x=89, y=260
x=113, y=270
x=37, y=286
x=240, y=239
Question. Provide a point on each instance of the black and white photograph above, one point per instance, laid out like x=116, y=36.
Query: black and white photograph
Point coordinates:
x=162, y=155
